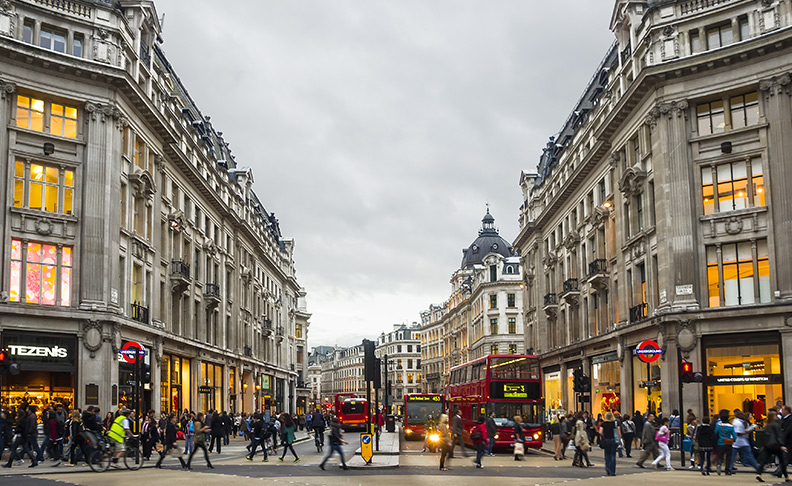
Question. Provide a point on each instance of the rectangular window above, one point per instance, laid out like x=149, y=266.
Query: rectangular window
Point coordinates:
x=744, y=274
x=639, y=211
x=510, y=300
x=736, y=187
x=695, y=42
x=710, y=118
x=493, y=301
x=30, y=113
x=713, y=279
x=719, y=36
x=493, y=326
x=512, y=325
x=745, y=32
x=493, y=273
x=512, y=349
x=43, y=187
x=44, y=271
x=744, y=110
x=298, y=331
x=27, y=31
x=140, y=155
x=494, y=349
x=77, y=46
x=63, y=121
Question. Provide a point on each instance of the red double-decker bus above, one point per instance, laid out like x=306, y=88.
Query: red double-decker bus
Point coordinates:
x=352, y=412
x=421, y=410
x=509, y=385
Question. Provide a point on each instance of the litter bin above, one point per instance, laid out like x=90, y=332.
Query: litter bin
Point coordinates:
x=390, y=423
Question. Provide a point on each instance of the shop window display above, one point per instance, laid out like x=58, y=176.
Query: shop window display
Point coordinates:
x=606, y=389
x=647, y=388
x=748, y=378
x=552, y=393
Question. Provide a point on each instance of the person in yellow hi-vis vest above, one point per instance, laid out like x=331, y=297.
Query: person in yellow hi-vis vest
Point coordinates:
x=118, y=432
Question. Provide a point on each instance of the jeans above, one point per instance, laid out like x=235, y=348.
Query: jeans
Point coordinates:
x=628, y=440
x=188, y=443
x=225, y=437
x=490, y=445
x=319, y=435
x=747, y=455
x=254, y=444
x=705, y=457
x=335, y=448
x=21, y=441
x=610, y=456
x=480, y=449
x=664, y=453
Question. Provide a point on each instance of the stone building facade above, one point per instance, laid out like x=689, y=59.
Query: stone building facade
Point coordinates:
x=483, y=314
x=402, y=347
x=128, y=220
x=660, y=213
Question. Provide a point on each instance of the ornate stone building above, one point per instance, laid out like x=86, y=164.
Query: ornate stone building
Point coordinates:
x=402, y=347
x=661, y=211
x=482, y=316
x=127, y=221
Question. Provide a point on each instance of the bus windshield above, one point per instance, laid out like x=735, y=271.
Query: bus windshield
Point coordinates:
x=419, y=412
x=514, y=368
x=356, y=407
x=531, y=413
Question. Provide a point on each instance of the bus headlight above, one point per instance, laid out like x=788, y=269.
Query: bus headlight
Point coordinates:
x=496, y=436
x=434, y=438
x=537, y=435
x=407, y=431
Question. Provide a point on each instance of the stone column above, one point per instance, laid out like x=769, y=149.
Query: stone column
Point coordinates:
x=776, y=92
x=674, y=195
x=786, y=352
x=97, y=205
x=627, y=383
x=7, y=98
x=565, y=398
x=669, y=368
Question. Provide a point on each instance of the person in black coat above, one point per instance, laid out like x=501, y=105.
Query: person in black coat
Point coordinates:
x=170, y=441
x=216, y=432
x=228, y=424
x=22, y=440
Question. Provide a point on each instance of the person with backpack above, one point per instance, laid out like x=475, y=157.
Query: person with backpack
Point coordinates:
x=336, y=439
x=199, y=441
x=480, y=439
x=318, y=426
x=287, y=436
x=628, y=434
x=258, y=434
x=724, y=431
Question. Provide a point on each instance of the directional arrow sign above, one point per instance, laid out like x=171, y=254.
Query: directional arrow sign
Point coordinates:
x=366, y=452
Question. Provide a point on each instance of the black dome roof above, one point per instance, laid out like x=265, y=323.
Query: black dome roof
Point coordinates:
x=488, y=241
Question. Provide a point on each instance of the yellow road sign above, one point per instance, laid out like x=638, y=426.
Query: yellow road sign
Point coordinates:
x=366, y=447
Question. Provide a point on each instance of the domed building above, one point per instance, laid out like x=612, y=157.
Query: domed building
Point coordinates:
x=482, y=316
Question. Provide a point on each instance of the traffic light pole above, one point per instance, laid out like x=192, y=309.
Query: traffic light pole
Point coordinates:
x=681, y=422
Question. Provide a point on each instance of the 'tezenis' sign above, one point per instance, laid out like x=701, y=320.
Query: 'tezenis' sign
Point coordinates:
x=39, y=351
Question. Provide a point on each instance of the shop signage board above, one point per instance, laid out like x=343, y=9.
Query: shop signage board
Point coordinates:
x=129, y=351
x=205, y=389
x=648, y=384
x=744, y=380
x=42, y=352
x=648, y=351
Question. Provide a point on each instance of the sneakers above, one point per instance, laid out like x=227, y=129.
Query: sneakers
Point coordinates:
x=265, y=460
x=692, y=466
x=250, y=458
x=280, y=459
x=321, y=466
x=669, y=468
x=640, y=465
x=297, y=460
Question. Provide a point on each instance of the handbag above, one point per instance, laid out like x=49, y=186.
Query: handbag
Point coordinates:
x=475, y=435
x=728, y=441
x=687, y=445
x=159, y=447
x=519, y=448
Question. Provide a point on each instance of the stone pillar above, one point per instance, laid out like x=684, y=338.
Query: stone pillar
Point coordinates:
x=669, y=368
x=97, y=204
x=7, y=98
x=627, y=383
x=565, y=398
x=674, y=204
x=776, y=92
x=690, y=346
x=786, y=352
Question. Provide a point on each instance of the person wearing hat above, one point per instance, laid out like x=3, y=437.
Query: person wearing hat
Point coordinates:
x=119, y=430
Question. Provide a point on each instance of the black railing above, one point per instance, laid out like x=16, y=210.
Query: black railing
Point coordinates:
x=638, y=312
x=551, y=299
x=625, y=54
x=598, y=266
x=212, y=290
x=248, y=351
x=140, y=313
x=145, y=55
x=180, y=269
x=571, y=285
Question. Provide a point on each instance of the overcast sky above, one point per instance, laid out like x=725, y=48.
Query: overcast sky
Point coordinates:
x=378, y=130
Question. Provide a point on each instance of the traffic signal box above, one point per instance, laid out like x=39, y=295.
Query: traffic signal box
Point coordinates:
x=687, y=375
x=580, y=382
x=7, y=366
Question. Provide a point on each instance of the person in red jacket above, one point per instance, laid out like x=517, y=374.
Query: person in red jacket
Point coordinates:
x=478, y=434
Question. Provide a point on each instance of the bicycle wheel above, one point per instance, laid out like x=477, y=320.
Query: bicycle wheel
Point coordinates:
x=133, y=459
x=99, y=461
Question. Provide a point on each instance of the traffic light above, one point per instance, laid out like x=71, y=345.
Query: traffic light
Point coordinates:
x=686, y=372
x=6, y=366
x=368, y=359
x=580, y=382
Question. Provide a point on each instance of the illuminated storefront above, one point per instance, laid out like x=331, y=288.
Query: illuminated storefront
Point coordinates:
x=210, y=389
x=748, y=376
x=605, y=383
x=174, y=383
x=48, y=370
x=647, y=387
x=126, y=375
x=552, y=391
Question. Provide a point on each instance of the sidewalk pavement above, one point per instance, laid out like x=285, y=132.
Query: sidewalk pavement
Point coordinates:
x=386, y=457
x=235, y=450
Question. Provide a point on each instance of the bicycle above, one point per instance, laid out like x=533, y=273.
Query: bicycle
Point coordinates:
x=133, y=456
x=319, y=439
x=104, y=454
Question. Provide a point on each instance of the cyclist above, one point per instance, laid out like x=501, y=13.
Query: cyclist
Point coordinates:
x=118, y=433
x=318, y=425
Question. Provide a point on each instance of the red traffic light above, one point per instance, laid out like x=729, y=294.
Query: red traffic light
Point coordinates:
x=687, y=367
x=4, y=356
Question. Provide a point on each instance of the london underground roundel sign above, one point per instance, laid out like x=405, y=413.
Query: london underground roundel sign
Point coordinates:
x=648, y=351
x=129, y=351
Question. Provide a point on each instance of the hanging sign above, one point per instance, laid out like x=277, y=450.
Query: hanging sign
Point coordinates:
x=129, y=351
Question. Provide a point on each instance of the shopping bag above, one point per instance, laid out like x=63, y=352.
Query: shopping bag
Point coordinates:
x=519, y=448
x=687, y=445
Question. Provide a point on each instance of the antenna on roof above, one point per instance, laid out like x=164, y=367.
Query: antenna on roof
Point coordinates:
x=162, y=22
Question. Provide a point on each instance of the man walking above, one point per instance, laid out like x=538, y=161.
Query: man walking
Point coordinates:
x=457, y=430
x=170, y=441
x=257, y=432
x=492, y=429
x=336, y=439
x=649, y=441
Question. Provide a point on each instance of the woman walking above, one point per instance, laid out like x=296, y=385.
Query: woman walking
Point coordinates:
x=773, y=441
x=287, y=436
x=519, y=438
x=582, y=444
x=724, y=431
x=200, y=430
x=609, y=433
x=627, y=433
x=663, y=436
x=445, y=441
x=704, y=436
x=479, y=437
